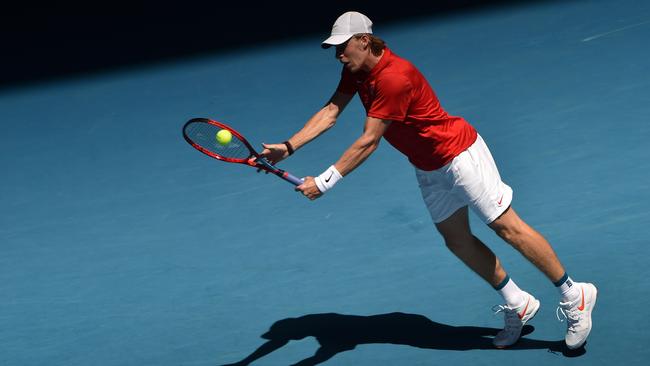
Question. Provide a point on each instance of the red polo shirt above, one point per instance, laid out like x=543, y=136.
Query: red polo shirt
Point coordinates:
x=395, y=90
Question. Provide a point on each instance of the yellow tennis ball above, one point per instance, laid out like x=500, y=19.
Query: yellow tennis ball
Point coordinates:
x=224, y=137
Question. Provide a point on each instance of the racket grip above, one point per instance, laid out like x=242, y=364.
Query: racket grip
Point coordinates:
x=292, y=179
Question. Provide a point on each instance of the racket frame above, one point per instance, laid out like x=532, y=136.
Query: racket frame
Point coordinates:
x=254, y=160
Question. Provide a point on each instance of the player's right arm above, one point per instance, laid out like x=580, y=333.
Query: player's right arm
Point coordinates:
x=320, y=122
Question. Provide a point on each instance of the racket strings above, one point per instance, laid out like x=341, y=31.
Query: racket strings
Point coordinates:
x=205, y=135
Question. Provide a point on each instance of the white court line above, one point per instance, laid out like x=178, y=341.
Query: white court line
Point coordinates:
x=614, y=31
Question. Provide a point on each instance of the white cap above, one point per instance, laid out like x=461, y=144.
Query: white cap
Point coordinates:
x=346, y=26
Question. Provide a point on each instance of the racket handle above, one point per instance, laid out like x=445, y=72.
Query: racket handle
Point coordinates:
x=292, y=179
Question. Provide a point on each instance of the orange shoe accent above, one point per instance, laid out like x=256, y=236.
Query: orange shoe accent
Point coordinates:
x=523, y=312
x=582, y=304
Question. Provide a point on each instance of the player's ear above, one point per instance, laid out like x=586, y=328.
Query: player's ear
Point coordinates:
x=365, y=41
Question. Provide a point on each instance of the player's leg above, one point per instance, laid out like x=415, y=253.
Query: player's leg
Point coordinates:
x=520, y=306
x=531, y=244
x=469, y=249
x=477, y=179
x=577, y=299
x=449, y=213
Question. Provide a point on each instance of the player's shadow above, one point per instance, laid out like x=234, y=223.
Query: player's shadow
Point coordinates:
x=339, y=333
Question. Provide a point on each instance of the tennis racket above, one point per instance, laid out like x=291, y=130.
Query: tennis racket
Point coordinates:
x=201, y=134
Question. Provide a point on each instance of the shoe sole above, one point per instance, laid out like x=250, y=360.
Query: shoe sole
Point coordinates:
x=591, y=308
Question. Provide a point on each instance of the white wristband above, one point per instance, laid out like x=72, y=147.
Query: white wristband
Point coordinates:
x=328, y=179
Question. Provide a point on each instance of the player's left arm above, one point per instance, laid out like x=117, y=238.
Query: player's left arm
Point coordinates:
x=354, y=156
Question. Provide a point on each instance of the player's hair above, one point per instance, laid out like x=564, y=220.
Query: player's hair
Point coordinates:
x=377, y=44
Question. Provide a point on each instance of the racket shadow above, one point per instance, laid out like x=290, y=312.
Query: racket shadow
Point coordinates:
x=338, y=333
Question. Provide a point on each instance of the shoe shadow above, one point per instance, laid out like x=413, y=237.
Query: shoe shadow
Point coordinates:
x=338, y=333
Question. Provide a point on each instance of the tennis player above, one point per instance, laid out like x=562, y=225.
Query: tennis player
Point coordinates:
x=453, y=166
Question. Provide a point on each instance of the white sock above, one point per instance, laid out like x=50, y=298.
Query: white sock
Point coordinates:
x=568, y=289
x=511, y=293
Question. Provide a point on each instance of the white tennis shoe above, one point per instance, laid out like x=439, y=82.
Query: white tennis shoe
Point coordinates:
x=578, y=315
x=515, y=318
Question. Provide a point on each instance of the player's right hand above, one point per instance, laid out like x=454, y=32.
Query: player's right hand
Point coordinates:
x=309, y=188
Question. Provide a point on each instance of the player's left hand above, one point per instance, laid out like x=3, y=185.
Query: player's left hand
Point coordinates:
x=309, y=189
x=274, y=153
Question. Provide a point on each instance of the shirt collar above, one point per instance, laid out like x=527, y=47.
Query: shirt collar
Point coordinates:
x=383, y=62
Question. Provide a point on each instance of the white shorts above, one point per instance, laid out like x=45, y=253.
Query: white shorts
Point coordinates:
x=470, y=179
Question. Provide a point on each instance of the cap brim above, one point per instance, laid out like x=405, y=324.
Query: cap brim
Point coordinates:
x=335, y=40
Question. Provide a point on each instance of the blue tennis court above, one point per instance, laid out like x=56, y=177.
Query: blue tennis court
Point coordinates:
x=122, y=245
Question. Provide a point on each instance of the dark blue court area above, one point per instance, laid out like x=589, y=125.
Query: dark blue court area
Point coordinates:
x=121, y=245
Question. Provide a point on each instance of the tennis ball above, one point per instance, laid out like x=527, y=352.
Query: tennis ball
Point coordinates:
x=224, y=137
